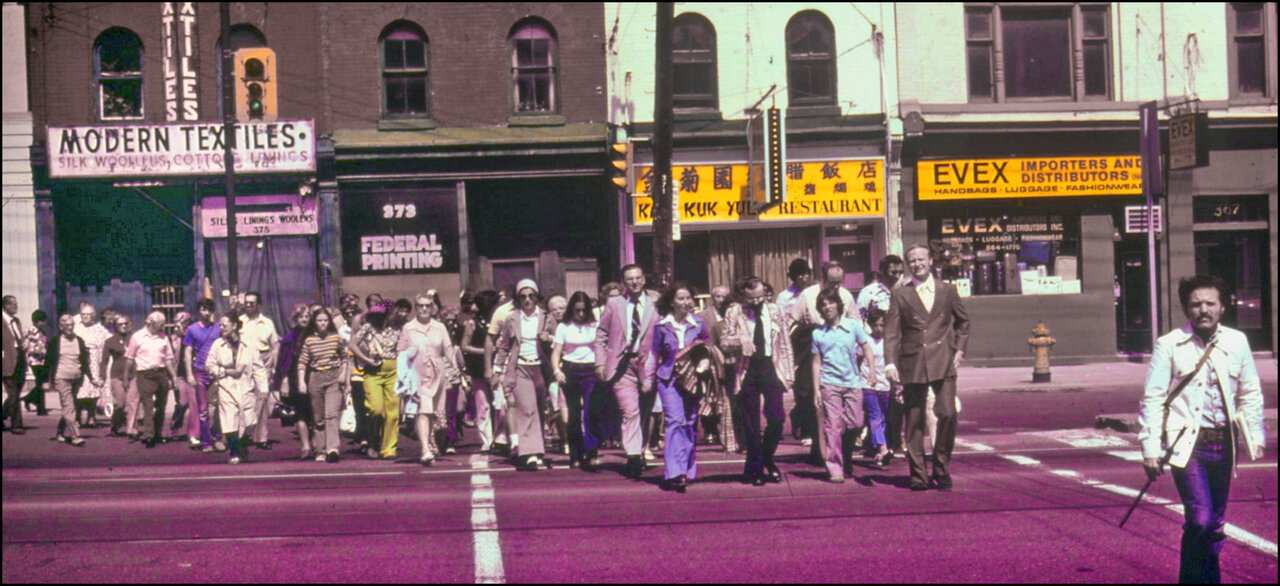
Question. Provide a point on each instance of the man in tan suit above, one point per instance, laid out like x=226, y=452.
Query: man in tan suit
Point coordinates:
x=926, y=332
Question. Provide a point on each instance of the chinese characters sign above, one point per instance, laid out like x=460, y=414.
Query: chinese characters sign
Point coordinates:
x=1040, y=177
x=815, y=189
x=147, y=150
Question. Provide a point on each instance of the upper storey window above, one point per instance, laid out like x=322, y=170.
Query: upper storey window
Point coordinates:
x=118, y=58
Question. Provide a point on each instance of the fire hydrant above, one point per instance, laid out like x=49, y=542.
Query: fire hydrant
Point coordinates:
x=1040, y=343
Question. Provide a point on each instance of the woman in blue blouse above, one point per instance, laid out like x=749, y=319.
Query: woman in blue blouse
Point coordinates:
x=677, y=329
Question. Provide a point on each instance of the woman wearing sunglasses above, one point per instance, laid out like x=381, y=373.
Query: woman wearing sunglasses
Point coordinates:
x=517, y=368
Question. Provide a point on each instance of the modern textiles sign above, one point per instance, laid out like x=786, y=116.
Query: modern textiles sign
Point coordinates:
x=260, y=215
x=967, y=179
x=815, y=189
x=150, y=150
x=400, y=232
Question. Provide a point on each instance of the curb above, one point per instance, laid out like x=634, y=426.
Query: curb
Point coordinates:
x=1128, y=422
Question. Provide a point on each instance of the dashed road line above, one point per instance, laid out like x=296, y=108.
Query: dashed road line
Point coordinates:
x=1234, y=532
x=484, y=525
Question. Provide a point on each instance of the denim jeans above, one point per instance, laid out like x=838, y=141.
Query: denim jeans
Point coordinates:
x=1203, y=486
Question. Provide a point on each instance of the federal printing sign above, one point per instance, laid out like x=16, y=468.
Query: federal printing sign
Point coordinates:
x=260, y=215
x=150, y=150
x=967, y=179
x=399, y=232
x=838, y=188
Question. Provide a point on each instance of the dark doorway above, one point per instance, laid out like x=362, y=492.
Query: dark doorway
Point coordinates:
x=1133, y=304
x=1242, y=259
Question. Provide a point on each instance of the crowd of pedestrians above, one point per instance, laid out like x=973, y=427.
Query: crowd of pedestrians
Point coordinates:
x=539, y=379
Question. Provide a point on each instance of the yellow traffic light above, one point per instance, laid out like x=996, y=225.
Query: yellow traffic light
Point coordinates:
x=255, y=85
x=620, y=164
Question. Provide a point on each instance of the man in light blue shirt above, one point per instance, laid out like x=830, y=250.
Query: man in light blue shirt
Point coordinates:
x=835, y=366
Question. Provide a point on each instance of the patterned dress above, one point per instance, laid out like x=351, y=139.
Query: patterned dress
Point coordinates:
x=95, y=337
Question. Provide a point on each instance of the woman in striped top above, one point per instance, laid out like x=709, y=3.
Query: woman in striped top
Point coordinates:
x=319, y=375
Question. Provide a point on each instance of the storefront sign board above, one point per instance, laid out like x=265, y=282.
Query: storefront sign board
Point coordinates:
x=707, y=193
x=260, y=215
x=400, y=232
x=152, y=150
x=970, y=179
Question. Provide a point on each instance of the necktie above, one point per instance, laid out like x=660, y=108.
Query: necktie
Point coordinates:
x=635, y=324
x=17, y=330
x=758, y=337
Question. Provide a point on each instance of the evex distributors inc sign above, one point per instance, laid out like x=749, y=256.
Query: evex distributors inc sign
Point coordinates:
x=287, y=146
x=964, y=179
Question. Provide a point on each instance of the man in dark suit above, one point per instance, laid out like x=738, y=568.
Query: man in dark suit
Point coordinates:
x=926, y=332
x=15, y=364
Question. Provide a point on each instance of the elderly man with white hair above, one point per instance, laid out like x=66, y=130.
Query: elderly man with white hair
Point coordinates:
x=155, y=363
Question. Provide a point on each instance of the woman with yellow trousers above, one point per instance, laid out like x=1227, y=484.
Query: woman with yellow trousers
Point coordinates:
x=374, y=347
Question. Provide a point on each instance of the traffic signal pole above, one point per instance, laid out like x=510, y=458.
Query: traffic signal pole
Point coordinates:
x=663, y=214
x=228, y=146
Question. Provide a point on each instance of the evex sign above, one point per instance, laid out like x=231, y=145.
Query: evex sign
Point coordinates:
x=965, y=179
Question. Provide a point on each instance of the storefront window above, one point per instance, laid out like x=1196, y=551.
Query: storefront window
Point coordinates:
x=1007, y=255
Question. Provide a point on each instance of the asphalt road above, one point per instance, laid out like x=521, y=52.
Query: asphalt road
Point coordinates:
x=1036, y=500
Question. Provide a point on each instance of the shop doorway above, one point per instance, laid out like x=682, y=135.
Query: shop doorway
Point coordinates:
x=1242, y=259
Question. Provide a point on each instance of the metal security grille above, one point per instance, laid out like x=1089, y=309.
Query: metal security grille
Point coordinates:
x=170, y=300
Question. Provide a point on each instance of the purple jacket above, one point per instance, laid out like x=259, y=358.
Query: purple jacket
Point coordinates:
x=661, y=359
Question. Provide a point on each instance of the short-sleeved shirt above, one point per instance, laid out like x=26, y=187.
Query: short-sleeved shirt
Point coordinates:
x=68, y=366
x=805, y=311
x=838, y=345
x=500, y=315
x=201, y=337
x=114, y=349
x=148, y=351
x=578, y=341
x=882, y=383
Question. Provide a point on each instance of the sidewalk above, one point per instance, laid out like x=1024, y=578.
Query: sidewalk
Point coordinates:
x=1084, y=377
x=1092, y=377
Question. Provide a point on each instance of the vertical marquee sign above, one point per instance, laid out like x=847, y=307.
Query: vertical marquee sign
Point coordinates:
x=180, y=46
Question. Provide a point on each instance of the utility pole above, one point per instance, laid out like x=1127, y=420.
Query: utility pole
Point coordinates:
x=228, y=146
x=663, y=214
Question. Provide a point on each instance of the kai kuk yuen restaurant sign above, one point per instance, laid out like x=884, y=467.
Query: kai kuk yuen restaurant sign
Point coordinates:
x=148, y=150
x=965, y=179
x=834, y=188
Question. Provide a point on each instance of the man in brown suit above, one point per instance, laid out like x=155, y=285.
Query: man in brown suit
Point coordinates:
x=926, y=332
x=15, y=365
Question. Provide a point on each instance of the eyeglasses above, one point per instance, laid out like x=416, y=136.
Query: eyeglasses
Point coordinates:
x=527, y=296
x=426, y=305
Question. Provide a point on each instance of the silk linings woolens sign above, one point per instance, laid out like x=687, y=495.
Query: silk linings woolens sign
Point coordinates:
x=148, y=150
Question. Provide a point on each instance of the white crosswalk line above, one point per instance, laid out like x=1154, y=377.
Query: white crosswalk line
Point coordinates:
x=484, y=525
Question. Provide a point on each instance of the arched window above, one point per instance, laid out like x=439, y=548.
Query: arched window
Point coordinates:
x=118, y=57
x=405, y=89
x=811, y=61
x=694, y=61
x=533, y=68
